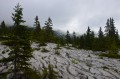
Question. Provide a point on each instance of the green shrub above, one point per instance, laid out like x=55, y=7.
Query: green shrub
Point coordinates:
x=7, y=50
x=89, y=55
x=32, y=74
x=110, y=55
x=44, y=50
x=49, y=73
x=57, y=52
x=105, y=67
x=58, y=47
x=67, y=47
x=74, y=61
x=3, y=52
x=42, y=44
x=37, y=49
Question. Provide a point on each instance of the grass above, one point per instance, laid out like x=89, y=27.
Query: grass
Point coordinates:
x=58, y=47
x=44, y=50
x=67, y=47
x=110, y=55
x=75, y=61
x=37, y=49
x=42, y=44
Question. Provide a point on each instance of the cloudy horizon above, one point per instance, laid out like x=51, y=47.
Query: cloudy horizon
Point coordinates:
x=66, y=15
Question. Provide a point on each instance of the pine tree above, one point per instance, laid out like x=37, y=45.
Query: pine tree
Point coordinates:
x=17, y=16
x=82, y=42
x=19, y=44
x=100, y=42
x=68, y=38
x=48, y=30
x=37, y=29
x=107, y=27
x=110, y=29
x=37, y=24
x=88, y=43
x=113, y=29
x=74, y=39
x=100, y=33
x=3, y=28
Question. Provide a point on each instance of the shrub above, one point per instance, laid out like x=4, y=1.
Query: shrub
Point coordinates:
x=44, y=50
x=37, y=48
x=105, y=67
x=49, y=73
x=110, y=55
x=3, y=52
x=74, y=61
x=42, y=44
x=57, y=52
x=58, y=47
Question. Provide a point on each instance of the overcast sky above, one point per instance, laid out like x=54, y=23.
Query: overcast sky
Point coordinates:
x=72, y=15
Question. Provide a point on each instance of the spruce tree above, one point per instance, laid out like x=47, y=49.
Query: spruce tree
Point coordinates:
x=88, y=43
x=74, y=39
x=3, y=28
x=100, y=33
x=82, y=42
x=49, y=34
x=68, y=38
x=37, y=29
x=111, y=43
x=100, y=43
x=19, y=44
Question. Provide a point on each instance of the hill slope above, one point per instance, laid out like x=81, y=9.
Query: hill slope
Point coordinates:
x=72, y=63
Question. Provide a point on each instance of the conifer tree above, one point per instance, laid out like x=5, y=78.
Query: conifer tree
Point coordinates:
x=3, y=28
x=100, y=33
x=37, y=29
x=82, y=42
x=107, y=27
x=74, y=40
x=49, y=34
x=110, y=30
x=68, y=38
x=100, y=43
x=88, y=43
x=19, y=44
x=37, y=24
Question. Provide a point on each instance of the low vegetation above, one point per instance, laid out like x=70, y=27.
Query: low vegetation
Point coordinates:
x=110, y=55
x=44, y=50
x=57, y=52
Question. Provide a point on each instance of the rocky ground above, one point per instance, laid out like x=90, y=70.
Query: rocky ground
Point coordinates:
x=72, y=63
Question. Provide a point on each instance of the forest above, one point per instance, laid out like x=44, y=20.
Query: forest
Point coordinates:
x=19, y=38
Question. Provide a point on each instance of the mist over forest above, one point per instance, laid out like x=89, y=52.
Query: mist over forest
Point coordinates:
x=32, y=47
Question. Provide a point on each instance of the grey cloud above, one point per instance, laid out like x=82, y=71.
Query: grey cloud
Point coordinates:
x=73, y=15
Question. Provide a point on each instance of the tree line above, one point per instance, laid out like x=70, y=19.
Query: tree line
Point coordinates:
x=107, y=40
x=103, y=41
